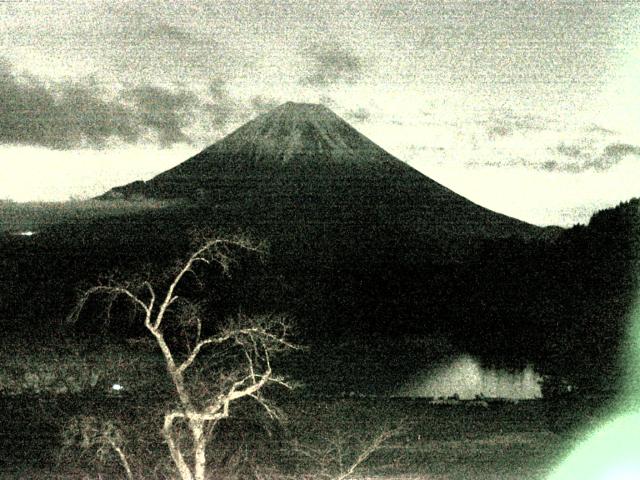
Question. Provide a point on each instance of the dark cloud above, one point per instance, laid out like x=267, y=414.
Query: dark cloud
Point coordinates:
x=359, y=115
x=598, y=129
x=612, y=154
x=550, y=166
x=508, y=123
x=328, y=101
x=590, y=152
x=166, y=31
x=547, y=165
x=221, y=109
x=60, y=116
x=143, y=45
x=499, y=131
x=162, y=112
x=571, y=158
x=582, y=160
x=261, y=104
x=219, y=113
x=218, y=88
x=331, y=64
x=67, y=115
x=568, y=150
x=619, y=150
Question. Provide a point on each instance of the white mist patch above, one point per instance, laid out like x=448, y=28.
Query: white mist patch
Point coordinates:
x=465, y=378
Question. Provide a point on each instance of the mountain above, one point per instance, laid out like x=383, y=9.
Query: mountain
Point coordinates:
x=382, y=269
x=300, y=166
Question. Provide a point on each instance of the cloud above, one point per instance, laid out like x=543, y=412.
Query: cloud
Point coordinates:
x=499, y=131
x=218, y=88
x=572, y=158
x=619, y=150
x=612, y=154
x=261, y=104
x=332, y=64
x=359, y=115
x=601, y=130
x=219, y=110
x=509, y=123
x=162, y=112
x=583, y=159
x=569, y=150
x=67, y=115
x=540, y=142
x=58, y=116
x=327, y=101
x=166, y=31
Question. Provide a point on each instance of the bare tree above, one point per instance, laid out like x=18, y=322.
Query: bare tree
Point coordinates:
x=88, y=432
x=338, y=459
x=202, y=404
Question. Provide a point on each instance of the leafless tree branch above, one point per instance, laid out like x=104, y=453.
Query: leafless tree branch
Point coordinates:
x=332, y=461
x=257, y=338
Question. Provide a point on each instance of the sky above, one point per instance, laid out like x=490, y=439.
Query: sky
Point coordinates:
x=530, y=108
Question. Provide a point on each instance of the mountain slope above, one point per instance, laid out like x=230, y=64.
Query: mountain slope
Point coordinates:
x=301, y=165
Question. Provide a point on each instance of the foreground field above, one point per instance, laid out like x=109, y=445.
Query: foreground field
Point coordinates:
x=315, y=437
x=33, y=216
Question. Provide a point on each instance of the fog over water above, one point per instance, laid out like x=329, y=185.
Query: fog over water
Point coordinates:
x=466, y=378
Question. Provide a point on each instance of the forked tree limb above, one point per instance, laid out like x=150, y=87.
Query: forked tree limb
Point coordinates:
x=257, y=337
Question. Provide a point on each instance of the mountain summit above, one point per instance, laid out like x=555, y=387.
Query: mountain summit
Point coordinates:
x=302, y=165
x=293, y=135
x=295, y=130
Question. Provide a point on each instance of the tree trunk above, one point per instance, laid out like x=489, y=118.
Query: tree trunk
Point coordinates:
x=123, y=460
x=176, y=454
x=199, y=448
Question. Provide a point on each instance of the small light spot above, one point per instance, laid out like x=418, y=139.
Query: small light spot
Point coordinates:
x=117, y=387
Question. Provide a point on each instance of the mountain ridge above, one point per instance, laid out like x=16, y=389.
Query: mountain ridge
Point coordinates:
x=309, y=165
x=296, y=128
x=291, y=132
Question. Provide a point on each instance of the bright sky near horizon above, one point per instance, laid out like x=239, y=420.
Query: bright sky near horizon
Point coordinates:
x=530, y=108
